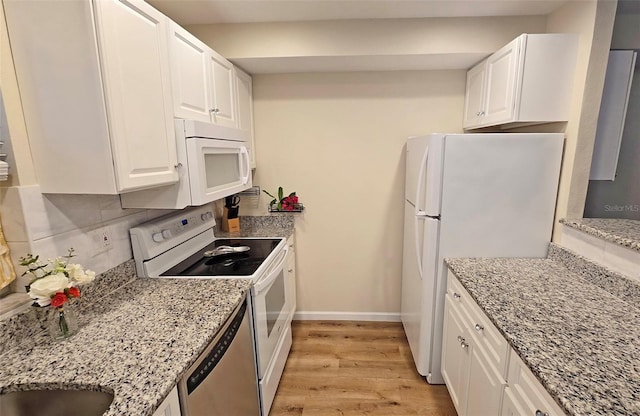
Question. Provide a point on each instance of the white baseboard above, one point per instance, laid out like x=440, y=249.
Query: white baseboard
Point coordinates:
x=347, y=316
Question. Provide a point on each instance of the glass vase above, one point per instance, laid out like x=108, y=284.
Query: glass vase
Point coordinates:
x=62, y=322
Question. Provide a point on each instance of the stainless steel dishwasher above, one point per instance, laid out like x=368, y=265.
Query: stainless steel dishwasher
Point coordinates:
x=224, y=381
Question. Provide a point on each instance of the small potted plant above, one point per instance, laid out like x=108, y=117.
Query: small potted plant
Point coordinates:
x=283, y=203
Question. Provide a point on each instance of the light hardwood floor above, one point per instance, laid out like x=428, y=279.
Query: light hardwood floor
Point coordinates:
x=355, y=368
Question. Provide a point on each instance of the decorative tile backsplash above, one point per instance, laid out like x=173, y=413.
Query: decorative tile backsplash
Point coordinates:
x=48, y=224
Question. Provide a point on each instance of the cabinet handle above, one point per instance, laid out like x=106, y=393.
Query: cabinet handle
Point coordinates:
x=456, y=295
x=539, y=413
x=290, y=270
x=460, y=339
x=464, y=346
x=178, y=166
x=479, y=327
x=290, y=245
x=214, y=110
x=481, y=113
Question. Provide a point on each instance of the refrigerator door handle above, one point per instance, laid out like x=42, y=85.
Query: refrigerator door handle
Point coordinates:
x=420, y=215
x=418, y=256
x=423, y=168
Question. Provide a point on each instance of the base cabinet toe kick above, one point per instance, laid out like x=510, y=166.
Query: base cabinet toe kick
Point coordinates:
x=483, y=374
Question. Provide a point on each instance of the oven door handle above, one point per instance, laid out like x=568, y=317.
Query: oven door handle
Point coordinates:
x=264, y=282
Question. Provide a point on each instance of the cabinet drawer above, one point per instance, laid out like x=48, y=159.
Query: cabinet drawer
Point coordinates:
x=480, y=327
x=528, y=392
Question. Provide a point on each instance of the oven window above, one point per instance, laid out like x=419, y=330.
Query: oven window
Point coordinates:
x=275, y=302
x=221, y=169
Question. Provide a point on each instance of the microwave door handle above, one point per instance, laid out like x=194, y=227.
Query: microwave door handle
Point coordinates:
x=271, y=276
x=244, y=153
x=420, y=214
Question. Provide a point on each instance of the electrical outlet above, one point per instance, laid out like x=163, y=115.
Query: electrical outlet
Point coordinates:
x=106, y=238
x=101, y=238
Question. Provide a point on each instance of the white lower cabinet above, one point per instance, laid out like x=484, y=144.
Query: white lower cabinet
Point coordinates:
x=472, y=376
x=483, y=374
x=455, y=359
x=291, y=271
x=527, y=395
x=170, y=406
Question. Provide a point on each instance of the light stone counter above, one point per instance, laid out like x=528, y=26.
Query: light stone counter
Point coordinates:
x=136, y=342
x=273, y=225
x=620, y=231
x=575, y=324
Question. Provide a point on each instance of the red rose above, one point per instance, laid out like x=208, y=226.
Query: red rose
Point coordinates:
x=58, y=299
x=73, y=292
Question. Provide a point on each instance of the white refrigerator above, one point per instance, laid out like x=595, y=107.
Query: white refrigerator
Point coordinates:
x=470, y=195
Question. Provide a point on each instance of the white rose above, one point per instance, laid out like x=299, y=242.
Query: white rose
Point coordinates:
x=78, y=274
x=42, y=289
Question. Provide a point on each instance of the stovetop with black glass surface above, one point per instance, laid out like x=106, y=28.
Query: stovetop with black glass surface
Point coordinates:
x=241, y=264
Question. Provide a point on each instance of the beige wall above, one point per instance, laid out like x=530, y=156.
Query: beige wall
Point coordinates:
x=363, y=37
x=593, y=22
x=337, y=139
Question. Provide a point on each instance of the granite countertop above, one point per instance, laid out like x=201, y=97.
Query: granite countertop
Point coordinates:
x=274, y=225
x=620, y=231
x=575, y=324
x=137, y=342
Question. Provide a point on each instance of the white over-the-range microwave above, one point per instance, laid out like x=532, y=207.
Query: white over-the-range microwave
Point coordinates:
x=213, y=162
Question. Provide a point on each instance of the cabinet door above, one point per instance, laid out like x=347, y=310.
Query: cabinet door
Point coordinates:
x=245, y=108
x=474, y=96
x=170, y=406
x=135, y=64
x=223, y=91
x=501, y=83
x=510, y=405
x=455, y=356
x=485, y=384
x=291, y=272
x=189, y=75
x=528, y=392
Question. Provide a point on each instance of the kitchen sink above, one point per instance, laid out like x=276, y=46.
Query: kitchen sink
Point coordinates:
x=55, y=403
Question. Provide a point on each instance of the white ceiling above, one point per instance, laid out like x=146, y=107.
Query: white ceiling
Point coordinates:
x=187, y=12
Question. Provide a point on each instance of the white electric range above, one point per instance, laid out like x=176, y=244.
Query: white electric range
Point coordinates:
x=183, y=245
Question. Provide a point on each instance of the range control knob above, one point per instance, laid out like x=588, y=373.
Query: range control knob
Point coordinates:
x=157, y=237
x=166, y=233
x=204, y=216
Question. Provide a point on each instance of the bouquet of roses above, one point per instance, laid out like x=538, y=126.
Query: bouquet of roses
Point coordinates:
x=283, y=203
x=54, y=283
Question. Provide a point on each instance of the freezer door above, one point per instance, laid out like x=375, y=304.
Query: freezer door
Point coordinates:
x=419, y=271
x=424, y=173
x=499, y=194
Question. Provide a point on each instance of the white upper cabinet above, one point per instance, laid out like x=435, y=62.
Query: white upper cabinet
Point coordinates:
x=223, y=91
x=529, y=81
x=245, y=109
x=97, y=95
x=189, y=75
x=135, y=65
x=203, y=81
x=474, y=97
